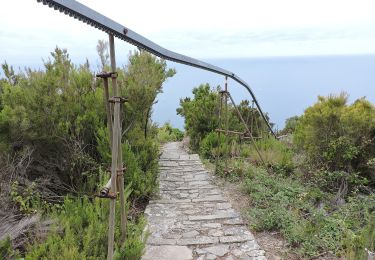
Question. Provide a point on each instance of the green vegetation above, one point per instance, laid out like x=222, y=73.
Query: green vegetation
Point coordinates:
x=167, y=133
x=81, y=233
x=54, y=145
x=201, y=115
x=339, y=137
x=316, y=188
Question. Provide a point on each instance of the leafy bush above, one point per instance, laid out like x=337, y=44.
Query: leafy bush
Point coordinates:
x=200, y=113
x=274, y=153
x=81, y=233
x=304, y=216
x=290, y=125
x=361, y=243
x=167, y=133
x=134, y=244
x=214, y=145
x=6, y=249
x=338, y=136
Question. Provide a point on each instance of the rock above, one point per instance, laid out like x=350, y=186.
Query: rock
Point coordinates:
x=238, y=253
x=215, y=232
x=213, y=217
x=210, y=257
x=161, y=241
x=218, y=250
x=190, y=234
x=167, y=253
x=197, y=241
x=212, y=225
x=236, y=239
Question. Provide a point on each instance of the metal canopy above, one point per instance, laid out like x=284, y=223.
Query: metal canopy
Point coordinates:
x=99, y=21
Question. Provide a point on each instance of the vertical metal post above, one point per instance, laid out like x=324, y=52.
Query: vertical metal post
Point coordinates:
x=252, y=116
x=117, y=167
x=112, y=205
x=219, y=133
x=119, y=161
x=226, y=123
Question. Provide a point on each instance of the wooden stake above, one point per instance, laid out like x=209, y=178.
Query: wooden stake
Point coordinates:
x=116, y=92
x=226, y=157
x=219, y=135
x=112, y=205
x=108, y=111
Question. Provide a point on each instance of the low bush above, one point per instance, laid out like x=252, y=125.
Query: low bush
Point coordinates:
x=338, y=136
x=167, y=133
x=81, y=233
x=274, y=153
x=306, y=216
x=214, y=145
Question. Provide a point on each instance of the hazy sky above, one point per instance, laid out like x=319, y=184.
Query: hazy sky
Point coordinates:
x=202, y=29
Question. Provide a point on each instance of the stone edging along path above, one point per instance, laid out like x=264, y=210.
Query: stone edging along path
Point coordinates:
x=192, y=219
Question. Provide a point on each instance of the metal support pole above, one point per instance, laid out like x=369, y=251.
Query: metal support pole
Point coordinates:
x=226, y=123
x=112, y=205
x=117, y=167
x=219, y=134
x=116, y=92
x=252, y=117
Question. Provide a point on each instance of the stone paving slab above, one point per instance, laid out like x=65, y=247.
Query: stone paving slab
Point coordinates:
x=191, y=218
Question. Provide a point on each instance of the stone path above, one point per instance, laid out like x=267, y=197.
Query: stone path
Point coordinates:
x=191, y=219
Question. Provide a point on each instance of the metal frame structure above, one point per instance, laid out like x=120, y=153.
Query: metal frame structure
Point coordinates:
x=101, y=22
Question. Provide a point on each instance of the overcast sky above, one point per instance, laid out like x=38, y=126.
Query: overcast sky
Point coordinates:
x=202, y=29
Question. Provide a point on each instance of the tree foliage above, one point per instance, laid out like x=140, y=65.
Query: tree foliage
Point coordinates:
x=338, y=136
x=200, y=113
x=204, y=113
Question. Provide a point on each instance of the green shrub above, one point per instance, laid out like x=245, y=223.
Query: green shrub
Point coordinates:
x=357, y=244
x=214, y=145
x=305, y=216
x=134, y=246
x=274, y=153
x=167, y=133
x=337, y=136
x=143, y=181
x=81, y=233
x=200, y=113
x=7, y=251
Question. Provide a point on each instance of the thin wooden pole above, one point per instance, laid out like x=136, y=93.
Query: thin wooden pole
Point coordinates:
x=116, y=92
x=112, y=205
x=219, y=135
x=108, y=111
x=226, y=124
